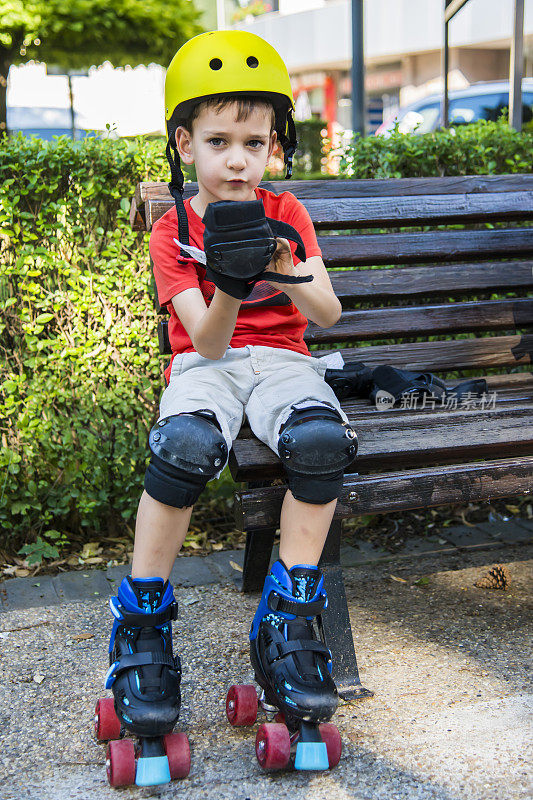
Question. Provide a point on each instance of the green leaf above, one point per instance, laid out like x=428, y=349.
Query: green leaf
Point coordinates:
x=9, y=386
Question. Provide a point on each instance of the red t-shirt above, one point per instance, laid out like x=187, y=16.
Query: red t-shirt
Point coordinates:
x=267, y=317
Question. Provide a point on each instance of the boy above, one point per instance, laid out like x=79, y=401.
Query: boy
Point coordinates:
x=227, y=99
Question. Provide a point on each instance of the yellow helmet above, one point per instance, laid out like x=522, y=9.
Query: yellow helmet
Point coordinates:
x=225, y=63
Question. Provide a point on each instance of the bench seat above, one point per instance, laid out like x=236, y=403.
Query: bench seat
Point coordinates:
x=419, y=295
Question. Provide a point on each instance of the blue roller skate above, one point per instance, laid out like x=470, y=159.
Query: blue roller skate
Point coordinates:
x=293, y=668
x=145, y=677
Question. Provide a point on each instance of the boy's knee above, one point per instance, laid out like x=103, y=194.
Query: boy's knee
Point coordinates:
x=188, y=449
x=316, y=447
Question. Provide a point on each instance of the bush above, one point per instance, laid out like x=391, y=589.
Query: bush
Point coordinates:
x=81, y=372
x=480, y=148
x=81, y=369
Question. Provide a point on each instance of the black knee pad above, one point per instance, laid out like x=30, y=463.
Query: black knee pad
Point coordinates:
x=316, y=447
x=188, y=450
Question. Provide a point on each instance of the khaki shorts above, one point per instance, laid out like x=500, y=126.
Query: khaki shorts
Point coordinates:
x=264, y=384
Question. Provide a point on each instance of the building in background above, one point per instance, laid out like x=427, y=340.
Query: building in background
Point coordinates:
x=129, y=100
x=402, y=41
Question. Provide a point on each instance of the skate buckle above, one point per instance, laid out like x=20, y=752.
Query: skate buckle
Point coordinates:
x=110, y=677
x=298, y=608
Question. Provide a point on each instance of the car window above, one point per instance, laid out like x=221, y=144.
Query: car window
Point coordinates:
x=483, y=106
x=462, y=111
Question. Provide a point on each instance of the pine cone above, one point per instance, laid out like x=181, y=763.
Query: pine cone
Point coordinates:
x=495, y=578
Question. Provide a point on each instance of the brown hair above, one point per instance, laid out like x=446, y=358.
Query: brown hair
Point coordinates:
x=245, y=106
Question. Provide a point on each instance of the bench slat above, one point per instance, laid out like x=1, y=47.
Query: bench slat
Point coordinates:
x=402, y=438
x=428, y=209
x=450, y=355
x=515, y=381
x=382, y=212
x=366, y=187
x=397, y=491
x=490, y=351
x=487, y=315
x=402, y=248
x=435, y=279
x=481, y=353
x=412, y=200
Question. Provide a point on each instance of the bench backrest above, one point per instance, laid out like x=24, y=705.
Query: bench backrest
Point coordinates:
x=442, y=248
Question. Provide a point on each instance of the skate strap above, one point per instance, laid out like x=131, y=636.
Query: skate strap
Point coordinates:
x=299, y=608
x=280, y=649
x=144, y=660
x=148, y=619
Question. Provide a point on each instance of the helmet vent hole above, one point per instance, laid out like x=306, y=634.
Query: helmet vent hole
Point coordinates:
x=215, y=63
x=252, y=61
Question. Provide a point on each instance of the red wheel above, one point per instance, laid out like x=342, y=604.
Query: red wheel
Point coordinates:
x=273, y=745
x=178, y=754
x=241, y=704
x=120, y=763
x=106, y=722
x=332, y=739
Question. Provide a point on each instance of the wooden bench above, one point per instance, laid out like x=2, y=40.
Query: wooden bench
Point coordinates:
x=401, y=315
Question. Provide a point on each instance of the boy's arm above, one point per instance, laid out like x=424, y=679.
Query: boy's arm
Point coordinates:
x=210, y=328
x=316, y=300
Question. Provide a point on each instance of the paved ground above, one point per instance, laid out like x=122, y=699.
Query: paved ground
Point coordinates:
x=225, y=565
x=449, y=664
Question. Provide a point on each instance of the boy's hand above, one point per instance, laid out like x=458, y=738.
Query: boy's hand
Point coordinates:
x=281, y=261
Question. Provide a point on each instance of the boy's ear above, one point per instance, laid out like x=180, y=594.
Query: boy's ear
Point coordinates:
x=183, y=144
x=273, y=141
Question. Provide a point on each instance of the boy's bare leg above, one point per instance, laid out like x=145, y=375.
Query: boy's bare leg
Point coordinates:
x=159, y=534
x=303, y=530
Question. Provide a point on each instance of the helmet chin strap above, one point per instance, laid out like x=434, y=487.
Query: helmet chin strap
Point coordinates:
x=289, y=144
x=176, y=190
x=176, y=182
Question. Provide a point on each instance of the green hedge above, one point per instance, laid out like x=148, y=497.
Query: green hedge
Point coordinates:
x=81, y=373
x=482, y=148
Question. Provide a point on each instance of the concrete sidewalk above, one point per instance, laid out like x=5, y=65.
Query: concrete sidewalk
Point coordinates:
x=448, y=662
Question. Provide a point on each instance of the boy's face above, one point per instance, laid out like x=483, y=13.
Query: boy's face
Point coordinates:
x=223, y=149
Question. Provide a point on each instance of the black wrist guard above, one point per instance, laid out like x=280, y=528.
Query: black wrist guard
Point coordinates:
x=240, y=241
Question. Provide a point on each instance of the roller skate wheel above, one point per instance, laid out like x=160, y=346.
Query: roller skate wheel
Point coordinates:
x=332, y=739
x=178, y=754
x=106, y=723
x=273, y=745
x=241, y=704
x=120, y=763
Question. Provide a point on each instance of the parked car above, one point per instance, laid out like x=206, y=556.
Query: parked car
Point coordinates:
x=43, y=122
x=479, y=101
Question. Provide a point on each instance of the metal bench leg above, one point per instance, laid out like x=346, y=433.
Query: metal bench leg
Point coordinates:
x=257, y=559
x=336, y=621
